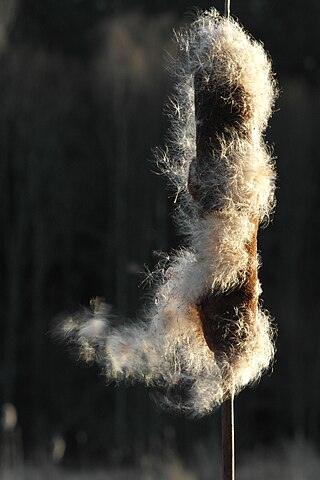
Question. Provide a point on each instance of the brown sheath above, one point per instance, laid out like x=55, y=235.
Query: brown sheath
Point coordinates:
x=219, y=113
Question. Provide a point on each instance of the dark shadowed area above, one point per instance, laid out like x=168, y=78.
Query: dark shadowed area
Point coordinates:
x=83, y=88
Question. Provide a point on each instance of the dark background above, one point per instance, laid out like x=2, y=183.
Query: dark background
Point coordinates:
x=83, y=86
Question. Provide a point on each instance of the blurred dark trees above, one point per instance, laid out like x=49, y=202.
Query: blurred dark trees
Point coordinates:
x=67, y=26
x=82, y=90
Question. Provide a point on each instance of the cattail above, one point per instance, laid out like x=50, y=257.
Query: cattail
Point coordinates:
x=204, y=336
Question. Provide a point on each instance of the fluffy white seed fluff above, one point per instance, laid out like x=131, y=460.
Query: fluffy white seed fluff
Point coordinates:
x=222, y=50
x=167, y=348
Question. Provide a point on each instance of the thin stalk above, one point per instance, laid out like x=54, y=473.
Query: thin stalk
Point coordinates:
x=227, y=414
x=227, y=8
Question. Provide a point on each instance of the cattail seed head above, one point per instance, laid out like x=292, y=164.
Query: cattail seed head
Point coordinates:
x=204, y=335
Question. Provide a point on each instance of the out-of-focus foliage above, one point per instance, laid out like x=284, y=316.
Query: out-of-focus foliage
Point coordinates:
x=64, y=25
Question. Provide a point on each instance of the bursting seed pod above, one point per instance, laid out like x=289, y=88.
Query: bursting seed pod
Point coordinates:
x=204, y=336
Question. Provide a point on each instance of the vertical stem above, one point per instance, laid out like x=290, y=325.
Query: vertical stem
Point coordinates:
x=227, y=414
x=227, y=8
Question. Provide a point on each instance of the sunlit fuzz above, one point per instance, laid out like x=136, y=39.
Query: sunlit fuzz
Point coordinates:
x=204, y=335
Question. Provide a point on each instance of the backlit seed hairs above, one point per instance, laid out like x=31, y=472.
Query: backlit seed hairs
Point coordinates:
x=204, y=335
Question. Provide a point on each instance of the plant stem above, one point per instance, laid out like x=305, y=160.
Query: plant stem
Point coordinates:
x=227, y=8
x=227, y=414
